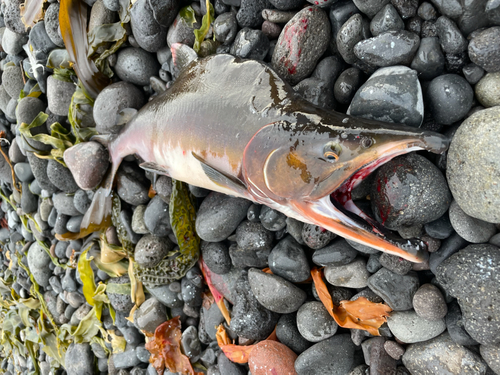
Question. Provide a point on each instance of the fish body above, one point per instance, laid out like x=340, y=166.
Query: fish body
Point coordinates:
x=234, y=126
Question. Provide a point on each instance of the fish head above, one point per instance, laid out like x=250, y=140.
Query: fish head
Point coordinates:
x=311, y=168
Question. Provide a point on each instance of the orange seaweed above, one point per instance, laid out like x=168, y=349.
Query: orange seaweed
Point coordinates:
x=219, y=298
x=165, y=349
x=358, y=314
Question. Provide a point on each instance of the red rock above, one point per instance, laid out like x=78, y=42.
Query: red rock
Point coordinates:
x=272, y=358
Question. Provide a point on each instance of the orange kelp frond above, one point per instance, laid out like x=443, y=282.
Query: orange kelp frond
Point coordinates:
x=166, y=351
x=73, y=24
x=219, y=298
x=359, y=314
x=235, y=353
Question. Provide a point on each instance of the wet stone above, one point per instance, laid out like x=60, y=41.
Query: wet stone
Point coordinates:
x=181, y=31
x=488, y=89
x=346, y=85
x=163, y=188
x=352, y=275
x=150, y=250
x=126, y=359
x=277, y=16
x=88, y=163
x=269, y=356
x=396, y=290
x=395, y=264
x=422, y=192
x=409, y=328
x=219, y=215
x=249, y=318
x=192, y=287
x=271, y=219
x=380, y=98
x=120, y=302
x=250, y=44
x=288, y=333
x=483, y=49
x=469, y=228
x=462, y=276
x=331, y=356
x=167, y=296
x=216, y=257
x=157, y=218
x=450, y=37
x=314, y=322
x=354, y=30
x=471, y=186
x=135, y=65
x=316, y=237
x=337, y=253
x=288, y=260
x=450, y=98
x=225, y=28
x=79, y=359
x=275, y=293
x=387, y=19
x=250, y=13
x=439, y=356
x=150, y=315
x=429, y=60
x=131, y=185
x=426, y=11
x=440, y=228
x=309, y=29
x=455, y=325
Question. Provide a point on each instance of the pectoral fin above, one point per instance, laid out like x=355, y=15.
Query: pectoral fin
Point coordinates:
x=221, y=178
x=154, y=168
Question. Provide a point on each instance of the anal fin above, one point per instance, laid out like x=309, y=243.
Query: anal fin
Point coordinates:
x=153, y=167
x=221, y=178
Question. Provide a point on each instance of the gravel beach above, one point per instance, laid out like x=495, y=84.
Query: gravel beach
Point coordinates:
x=184, y=280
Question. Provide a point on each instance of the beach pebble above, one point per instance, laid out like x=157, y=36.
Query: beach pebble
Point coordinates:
x=352, y=275
x=314, y=322
x=59, y=95
x=409, y=190
x=38, y=263
x=120, y=302
x=396, y=290
x=216, y=257
x=449, y=98
x=471, y=185
x=395, y=264
x=429, y=303
x=157, y=218
x=429, y=60
x=376, y=357
x=309, y=29
x=483, y=49
x=225, y=28
x=79, y=359
x=491, y=354
x=150, y=315
x=61, y=177
x=219, y=215
x=51, y=19
x=288, y=333
x=380, y=98
x=387, y=19
x=469, y=228
x=331, y=356
x=316, y=237
x=64, y=204
x=488, y=90
x=111, y=100
x=337, y=253
x=473, y=74
x=461, y=275
x=275, y=293
x=268, y=357
x=409, y=328
x=288, y=260
x=346, y=85
x=250, y=44
x=131, y=185
x=250, y=13
x=249, y=318
x=441, y=355
x=12, y=16
x=88, y=162
x=135, y=65
x=354, y=30
x=12, y=42
x=150, y=250
x=388, y=48
x=450, y=37
x=455, y=325
x=394, y=349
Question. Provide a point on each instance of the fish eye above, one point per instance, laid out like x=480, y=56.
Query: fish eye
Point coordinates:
x=331, y=152
x=366, y=142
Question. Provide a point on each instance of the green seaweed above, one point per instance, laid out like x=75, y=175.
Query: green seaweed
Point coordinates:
x=200, y=33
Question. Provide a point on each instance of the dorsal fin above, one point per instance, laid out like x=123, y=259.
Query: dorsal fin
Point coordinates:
x=221, y=178
x=182, y=56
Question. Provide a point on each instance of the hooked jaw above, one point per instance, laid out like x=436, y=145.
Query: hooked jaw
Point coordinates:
x=337, y=212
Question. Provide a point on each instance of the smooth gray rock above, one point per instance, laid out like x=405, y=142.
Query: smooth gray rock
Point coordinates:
x=396, y=290
x=38, y=263
x=59, y=95
x=314, y=322
x=408, y=327
x=469, y=228
x=79, y=360
x=352, y=275
x=150, y=315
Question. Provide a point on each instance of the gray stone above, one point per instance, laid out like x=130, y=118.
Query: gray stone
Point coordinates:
x=429, y=60
x=225, y=28
x=429, y=303
x=12, y=81
x=190, y=344
x=150, y=250
x=29, y=202
x=491, y=354
x=469, y=228
x=473, y=187
x=442, y=356
x=135, y=65
x=88, y=163
x=52, y=24
x=354, y=30
x=150, y=315
x=275, y=293
x=250, y=44
x=337, y=253
x=126, y=359
x=138, y=224
x=396, y=290
x=111, y=100
x=219, y=215
x=409, y=328
x=64, y=204
x=455, y=325
x=38, y=263
x=157, y=218
x=488, y=90
x=483, y=49
x=216, y=257
x=27, y=109
x=450, y=37
x=352, y=275
x=310, y=31
x=59, y=95
x=333, y=356
x=314, y=322
x=79, y=360
x=386, y=19
x=12, y=42
x=61, y=177
x=463, y=276
x=288, y=260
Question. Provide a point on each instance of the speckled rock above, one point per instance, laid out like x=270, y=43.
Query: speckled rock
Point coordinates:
x=491, y=354
x=354, y=30
x=135, y=65
x=429, y=303
x=38, y=263
x=442, y=356
x=488, y=90
x=314, y=322
x=409, y=328
x=469, y=228
x=463, y=276
x=88, y=162
x=271, y=357
x=151, y=249
x=352, y=275
x=316, y=237
x=483, y=49
x=309, y=29
x=288, y=333
x=288, y=260
x=396, y=290
x=475, y=144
